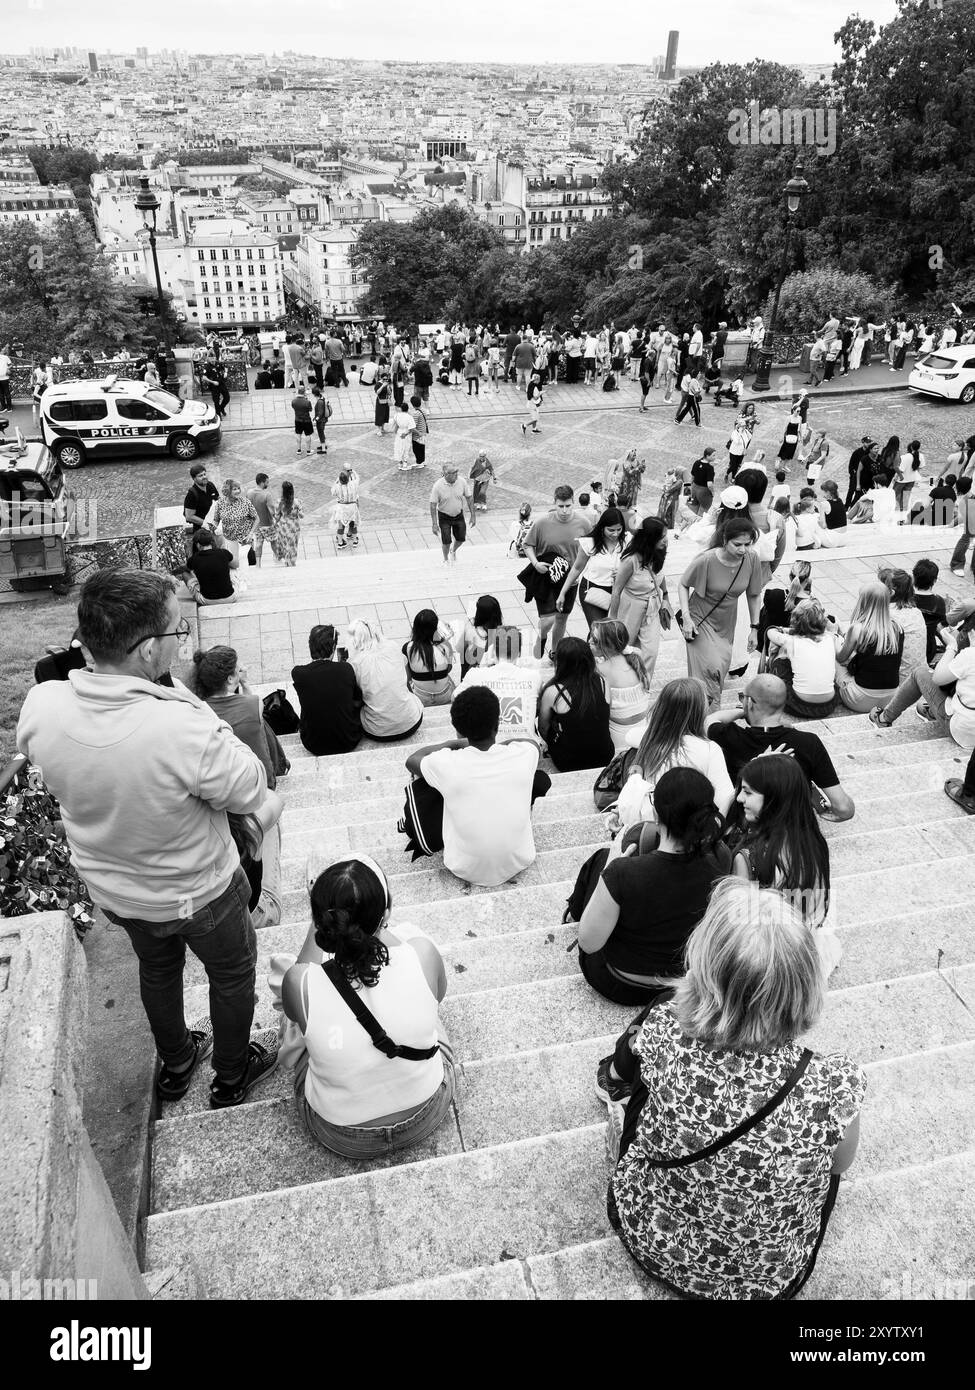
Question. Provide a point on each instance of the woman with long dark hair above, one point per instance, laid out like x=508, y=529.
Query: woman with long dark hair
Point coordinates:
x=908, y=473
x=643, y=909
x=624, y=677
x=286, y=532
x=573, y=712
x=477, y=629
x=709, y=591
x=381, y=978
x=890, y=456
x=597, y=559
x=639, y=597
x=781, y=845
x=429, y=658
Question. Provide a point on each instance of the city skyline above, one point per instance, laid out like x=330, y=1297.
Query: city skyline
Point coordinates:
x=545, y=33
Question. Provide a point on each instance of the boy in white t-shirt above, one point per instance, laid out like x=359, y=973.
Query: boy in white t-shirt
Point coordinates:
x=781, y=488
x=487, y=789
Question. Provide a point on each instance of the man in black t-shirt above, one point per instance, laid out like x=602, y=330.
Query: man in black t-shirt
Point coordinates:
x=197, y=503
x=329, y=697
x=210, y=568
x=758, y=728
x=702, y=481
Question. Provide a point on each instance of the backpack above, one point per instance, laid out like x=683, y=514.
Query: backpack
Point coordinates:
x=279, y=714
x=609, y=383
x=608, y=785
x=470, y=355
x=328, y=410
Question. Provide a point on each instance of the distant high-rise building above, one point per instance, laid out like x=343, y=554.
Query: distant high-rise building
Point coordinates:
x=93, y=61
x=670, y=71
x=142, y=53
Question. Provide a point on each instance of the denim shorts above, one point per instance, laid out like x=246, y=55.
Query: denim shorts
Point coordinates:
x=378, y=1141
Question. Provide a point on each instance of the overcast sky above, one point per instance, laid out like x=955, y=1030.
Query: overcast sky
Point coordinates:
x=515, y=31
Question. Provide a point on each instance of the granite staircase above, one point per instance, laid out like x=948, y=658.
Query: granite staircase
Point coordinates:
x=507, y=1199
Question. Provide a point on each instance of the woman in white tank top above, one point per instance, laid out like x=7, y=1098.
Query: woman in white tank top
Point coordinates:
x=359, y=976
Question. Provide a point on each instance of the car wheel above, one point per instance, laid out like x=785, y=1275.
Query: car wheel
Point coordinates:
x=184, y=448
x=70, y=455
x=968, y=394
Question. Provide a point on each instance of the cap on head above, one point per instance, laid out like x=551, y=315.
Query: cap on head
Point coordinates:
x=734, y=498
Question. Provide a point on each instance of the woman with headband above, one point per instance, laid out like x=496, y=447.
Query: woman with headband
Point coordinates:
x=376, y=1074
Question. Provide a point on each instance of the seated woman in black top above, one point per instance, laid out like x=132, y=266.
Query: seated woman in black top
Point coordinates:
x=329, y=697
x=573, y=715
x=635, y=927
x=210, y=569
x=777, y=604
x=264, y=381
x=429, y=660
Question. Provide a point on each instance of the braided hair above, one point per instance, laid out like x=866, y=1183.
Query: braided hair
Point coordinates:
x=348, y=910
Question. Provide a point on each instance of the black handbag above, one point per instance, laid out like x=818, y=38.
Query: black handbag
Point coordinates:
x=279, y=714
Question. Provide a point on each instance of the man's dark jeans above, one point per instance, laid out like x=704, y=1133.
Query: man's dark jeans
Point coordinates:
x=221, y=935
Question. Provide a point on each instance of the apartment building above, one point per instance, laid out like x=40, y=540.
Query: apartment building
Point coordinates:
x=37, y=203
x=327, y=274
x=236, y=275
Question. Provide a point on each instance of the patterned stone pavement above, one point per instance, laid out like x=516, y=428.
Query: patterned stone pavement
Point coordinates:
x=574, y=446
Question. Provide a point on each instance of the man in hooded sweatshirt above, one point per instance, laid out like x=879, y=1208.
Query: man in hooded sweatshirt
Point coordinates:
x=145, y=775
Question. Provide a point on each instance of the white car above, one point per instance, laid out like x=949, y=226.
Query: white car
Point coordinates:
x=115, y=418
x=949, y=372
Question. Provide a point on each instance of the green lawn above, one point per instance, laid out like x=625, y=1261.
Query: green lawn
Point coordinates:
x=25, y=630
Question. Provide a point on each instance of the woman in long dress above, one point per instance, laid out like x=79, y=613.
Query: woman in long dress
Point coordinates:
x=287, y=526
x=856, y=350
x=404, y=424
x=790, y=439
x=709, y=592
x=640, y=598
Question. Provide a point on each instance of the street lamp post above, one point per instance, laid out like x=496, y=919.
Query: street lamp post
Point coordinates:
x=793, y=194
x=148, y=204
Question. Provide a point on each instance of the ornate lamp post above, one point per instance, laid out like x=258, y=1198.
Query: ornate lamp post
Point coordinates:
x=793, y=194
x=148, y=204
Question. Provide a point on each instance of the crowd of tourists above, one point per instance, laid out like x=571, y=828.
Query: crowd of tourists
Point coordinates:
x=708, y=909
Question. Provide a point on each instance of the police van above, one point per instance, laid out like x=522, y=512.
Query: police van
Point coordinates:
x=115, y=418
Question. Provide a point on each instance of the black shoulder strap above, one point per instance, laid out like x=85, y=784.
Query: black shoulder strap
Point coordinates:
x=771, y=1104
x=370, y=1023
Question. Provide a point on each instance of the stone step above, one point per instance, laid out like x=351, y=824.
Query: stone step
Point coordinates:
x=918, y=1107
x=926, y=1197
x=382, y=841
x=563, y=846
x=914, y=769
x=536, y=1201
x=384, y=1228
x=382, y=771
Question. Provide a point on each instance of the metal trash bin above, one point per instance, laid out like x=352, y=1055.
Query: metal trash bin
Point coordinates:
x=804, y=358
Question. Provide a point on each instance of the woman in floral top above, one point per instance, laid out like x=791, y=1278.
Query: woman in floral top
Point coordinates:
x=236, y=516
x=746, y=1221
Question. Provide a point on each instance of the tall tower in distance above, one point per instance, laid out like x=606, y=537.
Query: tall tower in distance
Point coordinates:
x=670, y=71
x=93, y=62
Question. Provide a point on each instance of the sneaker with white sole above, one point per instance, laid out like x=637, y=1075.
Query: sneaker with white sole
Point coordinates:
x=925, y=713
x=262, y=1059
x=610, y=1090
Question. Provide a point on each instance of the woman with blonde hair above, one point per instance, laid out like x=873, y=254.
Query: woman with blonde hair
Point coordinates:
x=390, y=710
x=624, y=676
x=868, y=662
x=674, y=737
x=692, y=1178
x=236, y=517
